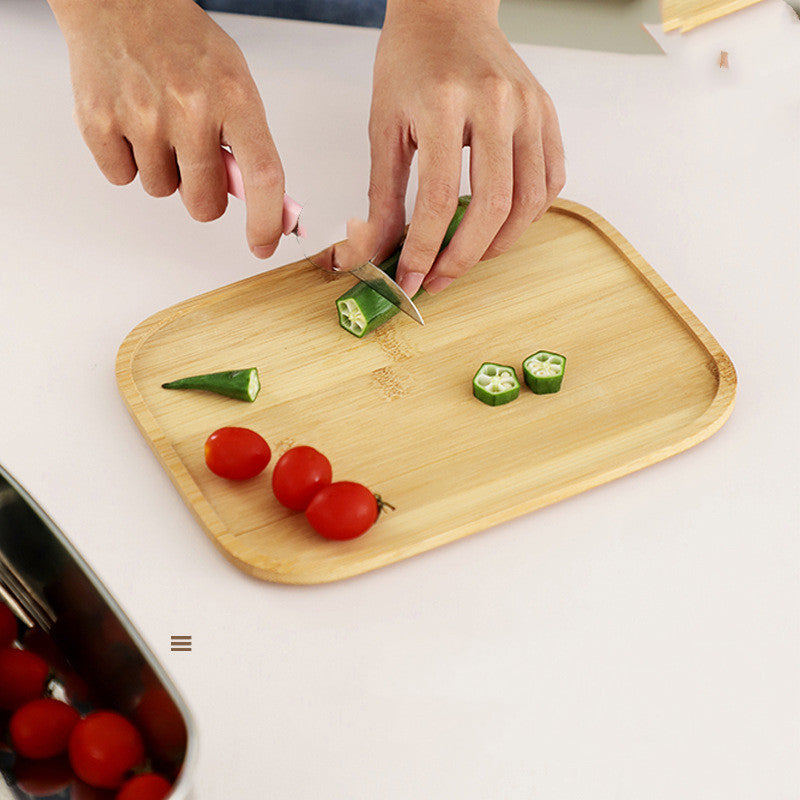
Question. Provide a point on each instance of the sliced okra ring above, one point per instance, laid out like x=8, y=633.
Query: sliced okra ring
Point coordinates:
x=544, y=371
x=495, y=384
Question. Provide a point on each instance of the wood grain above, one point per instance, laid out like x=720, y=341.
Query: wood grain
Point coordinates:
x=688, y=14
x=645, y=380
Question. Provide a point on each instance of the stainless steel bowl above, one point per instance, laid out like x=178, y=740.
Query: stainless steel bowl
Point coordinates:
x=101, y=660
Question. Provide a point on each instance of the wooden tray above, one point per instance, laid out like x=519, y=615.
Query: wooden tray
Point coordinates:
x=395, y=411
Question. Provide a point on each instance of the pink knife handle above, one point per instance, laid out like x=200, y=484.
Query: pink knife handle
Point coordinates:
x=291, y=208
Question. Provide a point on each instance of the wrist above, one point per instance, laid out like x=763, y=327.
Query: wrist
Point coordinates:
x=445, y=11
x=74, y=16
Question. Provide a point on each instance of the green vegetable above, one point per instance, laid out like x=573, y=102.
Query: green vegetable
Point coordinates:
x=361, y=309
x=544, y=371
x=495, y=384
x=241, y=384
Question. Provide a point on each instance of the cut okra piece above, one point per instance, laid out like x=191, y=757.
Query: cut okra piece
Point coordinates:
x=495, y=384
x=361, y=309
x=544, y=371
x=240, y=384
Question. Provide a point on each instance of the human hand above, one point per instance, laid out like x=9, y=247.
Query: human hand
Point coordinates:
x=159, y=87
x=446, y=77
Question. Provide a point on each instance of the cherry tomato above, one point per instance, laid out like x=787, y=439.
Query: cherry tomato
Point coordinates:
x=343, y=510
x=103, y=748
x=236, y=453
x=161, y=725
x=23, y=676
x=41, y=728
x=298, y=475
x=8, y=626
x=37, y=641
x=147, y=786
x=42, y=778
x=79, y=790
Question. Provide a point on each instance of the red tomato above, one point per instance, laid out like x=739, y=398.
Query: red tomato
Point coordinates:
x=23, y=676
x=43, y=778
x=161, y=725
x=147, y=786
x=298, y=475
x=103, y=748
x=343, y=510
x=41, y=728
x=79, y=790
x=37, y=641
x=236, y=453
x=8, y=626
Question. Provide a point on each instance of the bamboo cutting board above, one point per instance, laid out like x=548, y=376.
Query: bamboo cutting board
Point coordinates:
x=690, y=14
x=395, y=411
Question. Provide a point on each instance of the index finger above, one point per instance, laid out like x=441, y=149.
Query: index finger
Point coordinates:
x=262, y=176
x=437, y=198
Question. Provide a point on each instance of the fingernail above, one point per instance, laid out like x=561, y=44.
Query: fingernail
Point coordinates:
x=437, y=284
x=261, y=251
x=410, y=282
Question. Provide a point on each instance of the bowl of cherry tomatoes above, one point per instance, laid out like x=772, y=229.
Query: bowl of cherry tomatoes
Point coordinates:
x=86, y=710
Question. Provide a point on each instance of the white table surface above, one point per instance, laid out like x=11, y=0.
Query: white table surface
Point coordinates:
x=640, y=640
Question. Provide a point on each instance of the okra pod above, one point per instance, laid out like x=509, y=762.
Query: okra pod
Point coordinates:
x=361, y=309
x=240, y=384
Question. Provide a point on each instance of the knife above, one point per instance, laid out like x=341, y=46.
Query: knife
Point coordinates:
x=368, y=272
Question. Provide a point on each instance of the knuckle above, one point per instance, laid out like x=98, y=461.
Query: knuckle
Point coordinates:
x=546, y=103
x=500, y=92
x=415, y=257
x=438, y=199
x=266, y=173
x=240, y=95
x=456, y=266
x=148, y=121
x=94, y=122
x=498, y=203
x=496, y=249
x=531, y=200
x=194, y=105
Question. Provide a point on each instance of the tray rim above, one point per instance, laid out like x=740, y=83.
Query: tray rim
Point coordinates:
x=275, y=570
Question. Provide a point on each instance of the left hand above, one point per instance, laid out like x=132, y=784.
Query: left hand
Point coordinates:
x=446, y=77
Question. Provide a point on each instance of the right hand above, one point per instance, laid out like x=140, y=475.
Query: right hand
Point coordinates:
x=159, y=87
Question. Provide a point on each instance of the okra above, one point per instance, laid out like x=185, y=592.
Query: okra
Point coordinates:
x=544, y=371
x=241, y=384
x=361, y=309
x=495, y=384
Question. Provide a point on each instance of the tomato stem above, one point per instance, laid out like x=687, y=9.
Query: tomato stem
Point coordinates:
x=383, y=504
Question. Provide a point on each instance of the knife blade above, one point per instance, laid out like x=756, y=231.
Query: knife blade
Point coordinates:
x=368, y=273
x=379, y=281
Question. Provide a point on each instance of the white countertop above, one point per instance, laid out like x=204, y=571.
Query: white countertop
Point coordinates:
x=637, y=641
